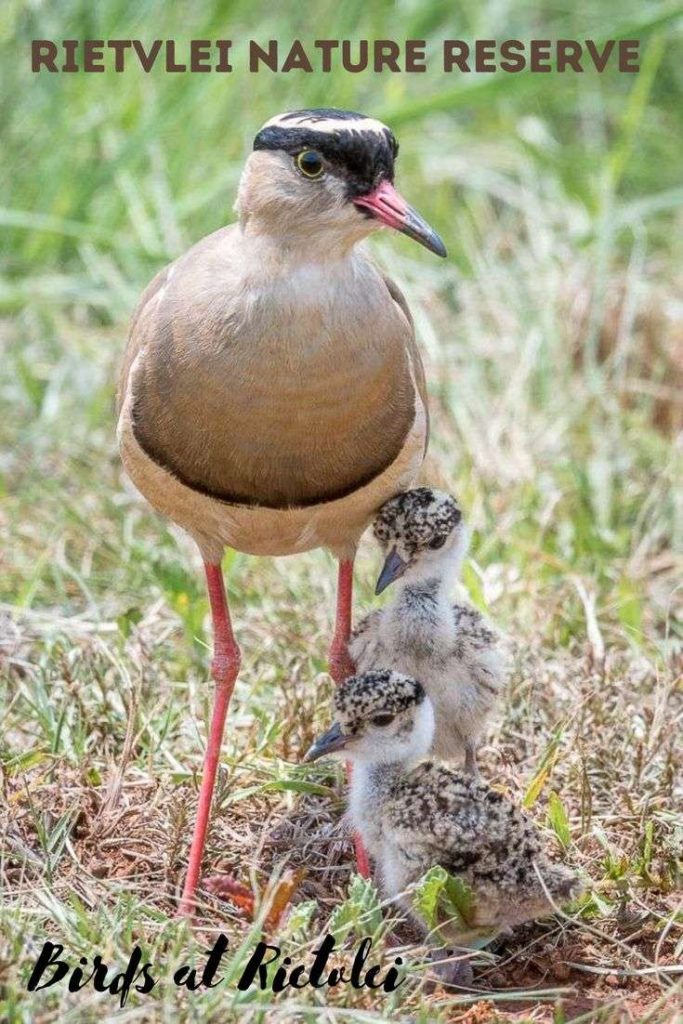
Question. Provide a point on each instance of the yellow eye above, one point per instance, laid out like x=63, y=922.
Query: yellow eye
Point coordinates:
x=310, y=163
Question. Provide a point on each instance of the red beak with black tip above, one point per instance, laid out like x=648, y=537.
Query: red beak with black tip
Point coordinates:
x=385, y=204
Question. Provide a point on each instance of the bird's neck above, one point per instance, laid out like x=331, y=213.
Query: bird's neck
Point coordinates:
x=372, y=781
x=294, y=244
x=425, y=589
x=421, y=603
x=379, y=778
x=293, y=274
x=370, y=786
x=419, y=619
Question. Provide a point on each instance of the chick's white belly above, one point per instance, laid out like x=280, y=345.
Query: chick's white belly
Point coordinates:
x=363, y=816
x=394, y=870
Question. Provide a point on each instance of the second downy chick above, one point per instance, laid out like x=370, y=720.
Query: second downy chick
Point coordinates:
x=449, y=647
x=414, y=814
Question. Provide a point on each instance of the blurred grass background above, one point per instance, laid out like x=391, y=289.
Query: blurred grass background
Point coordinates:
x=553, y=339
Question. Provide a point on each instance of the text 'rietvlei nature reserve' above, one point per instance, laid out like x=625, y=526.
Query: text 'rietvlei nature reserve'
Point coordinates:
x=324, y=55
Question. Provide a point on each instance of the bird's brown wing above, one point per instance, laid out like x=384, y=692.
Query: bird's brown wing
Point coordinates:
x=470, y=623
x=364, y=639
x=268, y=405
x=415, y=355
x=457, y=820
x=136, y=337
x=477, y=643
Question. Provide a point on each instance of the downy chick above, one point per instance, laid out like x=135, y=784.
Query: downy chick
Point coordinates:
x=413, y=814
x=449, y=647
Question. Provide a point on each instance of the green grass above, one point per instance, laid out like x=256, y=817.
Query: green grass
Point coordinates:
x=552, y=347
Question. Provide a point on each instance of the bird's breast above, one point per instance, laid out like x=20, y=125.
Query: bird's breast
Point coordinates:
x=279, y=395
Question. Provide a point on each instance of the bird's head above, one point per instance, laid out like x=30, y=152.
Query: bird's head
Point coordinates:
x=422, y=534
x=326, y=177
x=381, y=717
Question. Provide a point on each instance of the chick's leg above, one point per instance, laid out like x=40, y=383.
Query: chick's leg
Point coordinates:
x=452, y=968
x=471, y=759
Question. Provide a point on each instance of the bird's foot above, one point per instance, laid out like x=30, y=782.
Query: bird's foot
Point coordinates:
x=225, y=887
x=451, y=968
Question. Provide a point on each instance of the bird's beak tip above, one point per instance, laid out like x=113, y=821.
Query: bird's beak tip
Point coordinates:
x=330, y=742
x=387, y=206
x=393, y=568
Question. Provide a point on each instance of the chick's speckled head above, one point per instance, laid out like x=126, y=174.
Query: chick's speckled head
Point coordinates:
x=360, y=699
x=421, y=530
x=421, y=518
x=380, y=717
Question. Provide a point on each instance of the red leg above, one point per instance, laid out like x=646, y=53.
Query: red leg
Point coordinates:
x=224, y=669
x=341, y=667
x=362, y=861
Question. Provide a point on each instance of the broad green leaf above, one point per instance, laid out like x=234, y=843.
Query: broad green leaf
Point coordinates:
x=461, y=898
x=473, y=585
x=427, y=893
x=440, y=897
x=360, y=912
x=300, y=916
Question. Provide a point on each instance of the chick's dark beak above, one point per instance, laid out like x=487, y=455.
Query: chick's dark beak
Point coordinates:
x=393, y=567
x=333, y=739
x=388, y=206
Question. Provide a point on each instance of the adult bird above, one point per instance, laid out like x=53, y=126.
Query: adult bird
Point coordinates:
x=272, y=396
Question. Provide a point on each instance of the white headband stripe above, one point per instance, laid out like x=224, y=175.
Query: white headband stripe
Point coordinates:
x=327, y=124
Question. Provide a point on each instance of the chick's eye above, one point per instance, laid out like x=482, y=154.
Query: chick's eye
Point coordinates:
x=382, y=720
x=437, y=542
x=310, y=163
